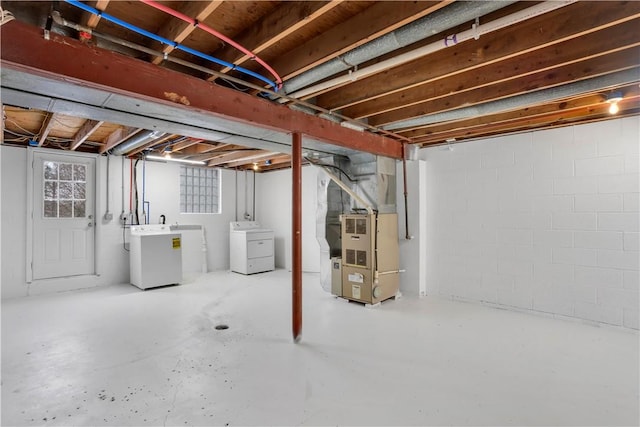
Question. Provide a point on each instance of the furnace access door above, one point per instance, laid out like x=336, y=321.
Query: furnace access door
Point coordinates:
x=370, y=260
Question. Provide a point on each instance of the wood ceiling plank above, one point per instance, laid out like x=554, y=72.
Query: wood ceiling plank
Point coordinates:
x=250, y=160
x=89, y=19
x=117, y=136
x=557, y=111
x=287, y=19
x=179, y=146
x=381, y=18
x=87, y=129
x=502, y=124
x=581, y=70
x=599, y=43
x=178, y=30
x=46, y=127
x=202, y=148
x=225, y=158
x=24, y=49
x=571, y=21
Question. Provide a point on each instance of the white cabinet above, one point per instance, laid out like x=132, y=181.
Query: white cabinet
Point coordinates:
x=251, y=248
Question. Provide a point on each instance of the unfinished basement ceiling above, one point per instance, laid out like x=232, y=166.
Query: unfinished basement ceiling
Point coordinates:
x=423, y=73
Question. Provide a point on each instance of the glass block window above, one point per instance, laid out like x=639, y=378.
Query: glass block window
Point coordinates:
x=65, y=186
x=199, y=190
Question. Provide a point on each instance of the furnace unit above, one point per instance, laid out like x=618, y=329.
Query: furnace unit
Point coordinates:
x=370, y=263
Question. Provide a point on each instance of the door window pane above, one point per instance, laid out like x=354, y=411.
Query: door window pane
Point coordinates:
x=65, y=190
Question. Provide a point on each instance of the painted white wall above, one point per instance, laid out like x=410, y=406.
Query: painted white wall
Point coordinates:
x=413, y=252
x=273, y=210
x=112, y=261
x=545, y=221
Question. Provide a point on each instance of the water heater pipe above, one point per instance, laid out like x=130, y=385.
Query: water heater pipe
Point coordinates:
x=296, y=235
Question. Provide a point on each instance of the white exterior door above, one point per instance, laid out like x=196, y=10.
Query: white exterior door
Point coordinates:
x=63, y=215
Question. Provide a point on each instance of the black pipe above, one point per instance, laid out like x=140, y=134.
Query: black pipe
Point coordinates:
x=404, y=176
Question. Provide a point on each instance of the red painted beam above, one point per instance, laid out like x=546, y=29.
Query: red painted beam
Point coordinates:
x=63, y=58
x=296, y=236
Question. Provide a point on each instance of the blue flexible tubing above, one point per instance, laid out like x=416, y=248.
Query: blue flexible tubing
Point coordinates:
x=176, y=45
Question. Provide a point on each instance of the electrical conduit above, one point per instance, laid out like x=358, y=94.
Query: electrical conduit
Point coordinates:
x=163, y=40
x=217, y=34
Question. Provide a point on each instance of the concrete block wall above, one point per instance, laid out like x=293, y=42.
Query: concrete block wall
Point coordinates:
x=545, y=221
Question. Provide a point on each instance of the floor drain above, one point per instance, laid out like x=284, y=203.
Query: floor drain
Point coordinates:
x=222, y=327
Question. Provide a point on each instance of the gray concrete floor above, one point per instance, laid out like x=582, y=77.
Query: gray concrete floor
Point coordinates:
x=120, y=356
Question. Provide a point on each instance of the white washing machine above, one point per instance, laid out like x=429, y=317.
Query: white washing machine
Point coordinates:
x=252, y=248
x=155, y=256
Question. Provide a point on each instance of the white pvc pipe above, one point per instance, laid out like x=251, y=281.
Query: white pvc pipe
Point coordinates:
x=474, y=33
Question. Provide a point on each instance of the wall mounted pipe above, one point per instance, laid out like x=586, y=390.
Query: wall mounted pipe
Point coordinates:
x=296, y=236
x=217, y=34
x=407, y=236
x=520, y=101
x=451, y=16
x=168, y=42
x=451, y=40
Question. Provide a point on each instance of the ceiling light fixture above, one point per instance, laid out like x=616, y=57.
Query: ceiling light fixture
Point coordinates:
x=170, y=159
x=353, y=126
x=255, y=166
x=613, y=98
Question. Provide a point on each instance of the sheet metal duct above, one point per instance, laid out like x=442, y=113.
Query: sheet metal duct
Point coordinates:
x=453, y=15
x=136, y=141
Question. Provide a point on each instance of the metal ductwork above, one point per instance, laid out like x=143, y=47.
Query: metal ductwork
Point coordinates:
x=136, y=141
x=520, y=101
x=370, y=185
x=453, y=15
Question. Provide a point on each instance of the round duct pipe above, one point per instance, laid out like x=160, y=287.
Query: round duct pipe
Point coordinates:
x=136, y=141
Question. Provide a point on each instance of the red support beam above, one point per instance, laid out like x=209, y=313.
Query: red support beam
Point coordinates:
x=296, y=235
x=24, y=48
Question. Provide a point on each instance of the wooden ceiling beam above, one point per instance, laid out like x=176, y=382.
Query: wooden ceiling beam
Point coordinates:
x=89, y=127
x=538, y=116
x=226, y=158
x=379, y=19
x=287, y=19
x=24, y=49
x=117, y=136
x=89, y=19
x=253, y=159
x=587, y=47
x=573, y=21
x=201, y=148
x=178, y=30
x=46, y=128
x=179, y=146
x=589, y=68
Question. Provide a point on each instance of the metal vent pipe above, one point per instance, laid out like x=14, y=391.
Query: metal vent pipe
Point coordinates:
x=451, y=16
x=520, y=101
x=136, y=141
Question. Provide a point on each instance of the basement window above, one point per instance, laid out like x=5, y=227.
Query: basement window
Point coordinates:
x=199, y=190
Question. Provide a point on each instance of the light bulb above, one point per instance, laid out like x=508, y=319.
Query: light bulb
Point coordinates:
x=613, y=108
x=255, y=166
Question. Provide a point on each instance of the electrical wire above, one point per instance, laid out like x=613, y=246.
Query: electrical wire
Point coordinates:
x=217, y=34
x=168, y=42
x=262, y=92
